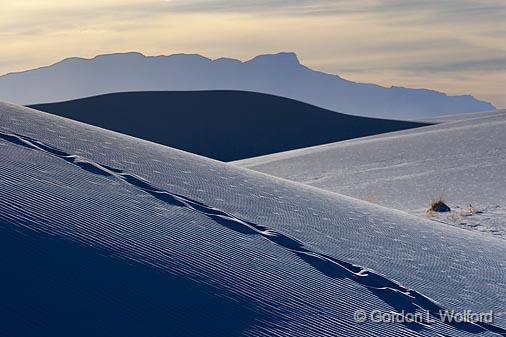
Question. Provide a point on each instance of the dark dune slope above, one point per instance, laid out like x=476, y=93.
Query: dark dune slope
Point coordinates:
x=223, y=125
x=86, y=278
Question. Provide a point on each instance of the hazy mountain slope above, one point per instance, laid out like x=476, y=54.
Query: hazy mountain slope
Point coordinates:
x=462, y=159
x=103, y=234
x=279, y=74
x=224, y=125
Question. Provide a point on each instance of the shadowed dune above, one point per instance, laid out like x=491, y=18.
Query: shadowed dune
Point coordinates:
x=223, y=125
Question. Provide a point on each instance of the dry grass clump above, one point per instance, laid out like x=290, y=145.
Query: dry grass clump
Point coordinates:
x=438, y=205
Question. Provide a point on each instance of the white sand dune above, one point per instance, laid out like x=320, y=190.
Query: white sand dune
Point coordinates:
x=107, y=235
x=462, y=159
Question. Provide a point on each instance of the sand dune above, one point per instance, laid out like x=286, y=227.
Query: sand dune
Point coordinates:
x=223, y=125
x=104, y=234
x=462, y=159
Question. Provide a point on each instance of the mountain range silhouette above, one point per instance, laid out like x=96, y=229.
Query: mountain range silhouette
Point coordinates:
x=278, y=74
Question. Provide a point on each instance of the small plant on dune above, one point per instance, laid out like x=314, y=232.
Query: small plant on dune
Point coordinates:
x=472, y=210
x=438, y=205
x=430, y=213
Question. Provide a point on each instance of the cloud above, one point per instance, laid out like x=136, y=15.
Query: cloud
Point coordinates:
x=392, y=42
x=437, y=9
x=483, y=65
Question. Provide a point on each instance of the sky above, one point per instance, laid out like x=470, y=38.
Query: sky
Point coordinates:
x=454, y=46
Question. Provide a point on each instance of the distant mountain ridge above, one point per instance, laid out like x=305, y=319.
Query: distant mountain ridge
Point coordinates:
x=223, y=125
x=278, y=74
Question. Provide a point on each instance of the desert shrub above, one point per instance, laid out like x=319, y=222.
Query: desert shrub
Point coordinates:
x=438, y=205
